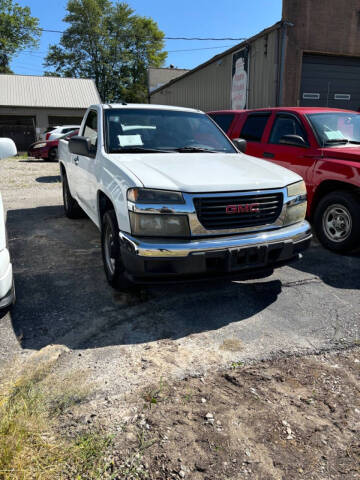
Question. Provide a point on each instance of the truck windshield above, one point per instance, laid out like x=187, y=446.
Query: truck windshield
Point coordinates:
x=149, y=130
x=336, y=128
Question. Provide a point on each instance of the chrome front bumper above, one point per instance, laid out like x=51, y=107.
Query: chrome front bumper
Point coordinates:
x=165, y=248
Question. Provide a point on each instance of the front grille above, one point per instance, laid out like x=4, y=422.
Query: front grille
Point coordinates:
x=211, y=211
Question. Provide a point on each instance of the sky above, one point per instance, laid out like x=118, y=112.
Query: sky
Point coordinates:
x=176, y=18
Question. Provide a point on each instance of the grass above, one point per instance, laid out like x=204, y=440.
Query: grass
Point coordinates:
x=21, y=156
x=155, y=395
x=31, y=446
x=235, y=365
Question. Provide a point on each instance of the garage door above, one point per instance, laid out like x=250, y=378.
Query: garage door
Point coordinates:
x=330, y=81
x=21, y=129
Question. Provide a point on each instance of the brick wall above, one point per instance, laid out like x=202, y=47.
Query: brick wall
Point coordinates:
x=321, y=26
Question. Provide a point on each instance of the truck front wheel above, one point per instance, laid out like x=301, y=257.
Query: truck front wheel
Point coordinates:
x=110, y=247
x=337, y=221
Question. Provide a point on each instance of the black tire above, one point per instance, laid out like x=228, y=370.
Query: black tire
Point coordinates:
x=337, y=221
x=110, y=248
x=71, y=206
x=53, y=154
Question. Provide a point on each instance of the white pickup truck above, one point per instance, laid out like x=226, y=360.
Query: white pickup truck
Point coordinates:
x=7, y=289
x=174, y=197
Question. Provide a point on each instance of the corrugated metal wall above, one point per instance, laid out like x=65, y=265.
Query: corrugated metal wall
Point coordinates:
x=263, y=71
x=206, y=89
x=210, y=87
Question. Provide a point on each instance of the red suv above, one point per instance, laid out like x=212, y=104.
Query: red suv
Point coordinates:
x=320, y=144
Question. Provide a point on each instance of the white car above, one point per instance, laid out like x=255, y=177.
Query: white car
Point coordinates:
x=179, y=200
x=7, y=290
x=59, y=131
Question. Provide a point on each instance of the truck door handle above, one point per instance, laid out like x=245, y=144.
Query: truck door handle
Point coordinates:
x=268, y=155
x=76, y=160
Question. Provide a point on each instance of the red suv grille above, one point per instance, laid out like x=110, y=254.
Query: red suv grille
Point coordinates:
x=222, y=213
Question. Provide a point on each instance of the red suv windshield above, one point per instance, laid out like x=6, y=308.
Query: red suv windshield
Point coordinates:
x=334, y=128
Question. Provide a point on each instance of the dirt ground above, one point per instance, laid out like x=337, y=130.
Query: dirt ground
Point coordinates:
x=289, y=418
x=253, y=354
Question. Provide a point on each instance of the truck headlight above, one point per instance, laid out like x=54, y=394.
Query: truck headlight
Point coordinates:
x=151, y=195
x=297, y=188
x=295, y=213
x=159, y=225
x=297, y=203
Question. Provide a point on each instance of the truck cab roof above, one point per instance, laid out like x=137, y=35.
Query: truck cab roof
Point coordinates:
x=150, y=106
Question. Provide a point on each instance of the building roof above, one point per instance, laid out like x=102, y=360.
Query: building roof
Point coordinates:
x=220, y=55
x=47, y=92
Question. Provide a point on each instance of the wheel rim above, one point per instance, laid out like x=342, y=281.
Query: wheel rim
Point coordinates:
x=109, y=247
x=337, y=223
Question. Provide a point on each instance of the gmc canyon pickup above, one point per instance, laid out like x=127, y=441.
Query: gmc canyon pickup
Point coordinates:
x=173, y=196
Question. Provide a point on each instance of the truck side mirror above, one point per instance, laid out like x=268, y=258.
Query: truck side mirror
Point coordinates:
x=81, y=146
x=7, y=148
x=293, y=140
x=240, y=144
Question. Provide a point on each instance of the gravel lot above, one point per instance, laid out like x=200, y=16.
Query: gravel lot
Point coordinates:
x=124, y=341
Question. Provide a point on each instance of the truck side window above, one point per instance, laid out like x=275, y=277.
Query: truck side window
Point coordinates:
x=286, y=125
x=254, y=127
x=224, y=120
x=90, y=128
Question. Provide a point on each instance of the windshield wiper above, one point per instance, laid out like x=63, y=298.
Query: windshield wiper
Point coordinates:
x=337, y=140
x=194, y=149
x=139, y=150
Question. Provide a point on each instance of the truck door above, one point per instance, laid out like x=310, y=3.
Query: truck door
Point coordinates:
x=84, y=165
x=297, y=158
x=253, y=131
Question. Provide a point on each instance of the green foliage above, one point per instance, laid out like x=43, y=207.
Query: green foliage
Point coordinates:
x=18, y=30
x=235, y=365
x=107, y=42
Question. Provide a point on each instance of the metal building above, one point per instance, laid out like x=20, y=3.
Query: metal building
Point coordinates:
x=311, y=58
x=159, y=76
x=30, y=104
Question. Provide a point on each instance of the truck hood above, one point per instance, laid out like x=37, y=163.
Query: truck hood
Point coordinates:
x=343, y=152
x=207, y=172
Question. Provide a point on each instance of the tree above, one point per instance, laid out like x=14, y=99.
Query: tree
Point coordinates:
x=107, y=42
x=18, y=30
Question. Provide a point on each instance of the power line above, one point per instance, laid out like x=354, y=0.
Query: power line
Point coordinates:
x=167, y=38
x=41, y=56
x=199, y=38
x=196, y=49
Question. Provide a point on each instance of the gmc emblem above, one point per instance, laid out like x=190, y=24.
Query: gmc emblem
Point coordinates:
x=245, y=208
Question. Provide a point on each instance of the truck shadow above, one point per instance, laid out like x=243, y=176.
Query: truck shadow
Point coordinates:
x=336, y=270
x=63, y=297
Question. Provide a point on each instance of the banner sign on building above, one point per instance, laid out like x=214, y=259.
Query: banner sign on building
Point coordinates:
x=239, y=79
